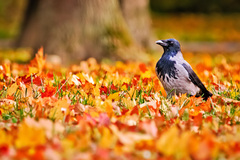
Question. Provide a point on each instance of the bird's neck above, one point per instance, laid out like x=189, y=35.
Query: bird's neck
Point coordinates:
x=171, y=53
x=177, y=57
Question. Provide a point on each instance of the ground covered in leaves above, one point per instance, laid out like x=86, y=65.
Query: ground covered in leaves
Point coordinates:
x=120, y=111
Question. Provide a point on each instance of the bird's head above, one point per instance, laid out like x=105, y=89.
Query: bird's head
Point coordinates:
x=169, y=45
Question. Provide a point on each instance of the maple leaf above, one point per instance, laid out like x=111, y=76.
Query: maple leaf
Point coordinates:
x=38, y=61
x=172, y=143
x=28, y=79
x=48, y=92
x=197, y=120
x=103, y=89
x=26, y=136
x=108, y=107
x=206, y=106
x=32, y=70
x=5, y=139
x=135, y=110
x=7, y=69
x=12, y=89
x=60, y=109
x=108, y=139
x=115, y=96
x=143, y=67
x=146, y=74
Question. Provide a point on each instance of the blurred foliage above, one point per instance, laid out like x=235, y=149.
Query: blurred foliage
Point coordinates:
x=197, y=6
x=18, y=55
x=186, y=27
x=197, y=27
x=11, y=14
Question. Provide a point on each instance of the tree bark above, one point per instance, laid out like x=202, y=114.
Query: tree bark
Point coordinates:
x=137, y=16
x=77, y=29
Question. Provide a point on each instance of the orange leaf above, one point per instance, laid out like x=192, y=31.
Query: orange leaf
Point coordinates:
x=205, y=106
x=197, y=120
x=194, y=111
x=143, y=67
x=135, y=110
x=39, y=60
x=7, y=69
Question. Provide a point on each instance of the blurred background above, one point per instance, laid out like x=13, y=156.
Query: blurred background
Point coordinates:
x=75, y=30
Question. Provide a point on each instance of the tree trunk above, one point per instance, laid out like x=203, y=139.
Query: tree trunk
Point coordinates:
x=137, y=16
x=77, y=29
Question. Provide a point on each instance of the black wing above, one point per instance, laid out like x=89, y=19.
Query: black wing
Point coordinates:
x=195, y=80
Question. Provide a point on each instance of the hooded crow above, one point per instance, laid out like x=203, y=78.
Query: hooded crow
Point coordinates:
x=175, y=74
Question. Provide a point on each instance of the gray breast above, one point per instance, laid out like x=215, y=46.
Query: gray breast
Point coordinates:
x=179, y=83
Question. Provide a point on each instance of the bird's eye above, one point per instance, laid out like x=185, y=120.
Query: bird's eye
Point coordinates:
x=171, y=42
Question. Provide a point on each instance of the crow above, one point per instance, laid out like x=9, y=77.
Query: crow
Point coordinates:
x=176, y=74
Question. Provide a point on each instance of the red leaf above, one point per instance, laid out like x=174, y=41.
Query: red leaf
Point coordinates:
x=37, y=80
x=10, y=97
x=146, y=80
x=135, y=110
x=143, y=67
x=237, y=146
x=103, y=89
x=209, y=119
x=50, y=75
x=135, y=79
x=4, y=150
x=49, y=91
x=124, y=110
x=113, y=87
x=27, y=79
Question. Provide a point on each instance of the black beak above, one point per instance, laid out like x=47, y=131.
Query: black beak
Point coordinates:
x=162, y=43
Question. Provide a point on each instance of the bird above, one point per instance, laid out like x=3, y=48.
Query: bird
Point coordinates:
x=176, y=74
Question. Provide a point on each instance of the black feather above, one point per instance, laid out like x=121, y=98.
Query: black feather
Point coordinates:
x=165, y=66
x=195, y=80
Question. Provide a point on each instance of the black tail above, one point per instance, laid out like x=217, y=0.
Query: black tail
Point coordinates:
x=206, y=94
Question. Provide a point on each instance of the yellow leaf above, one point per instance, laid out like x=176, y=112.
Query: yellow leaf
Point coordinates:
x=173, y=143
x=12, y=89
x=7, y=69
x=107, y=140
x=96, y=90
x=146, y=74
x=168, y=141
x=114, y=96
x=120, y=64
x=67, y=144
x=124, y=87
x=31, y=151
x=32, y=70
x=5, y=139
x=1, y=76
x=132, y=92
x=30, y=136
x=125, y=80
x=81, y=77
x=60, y=109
